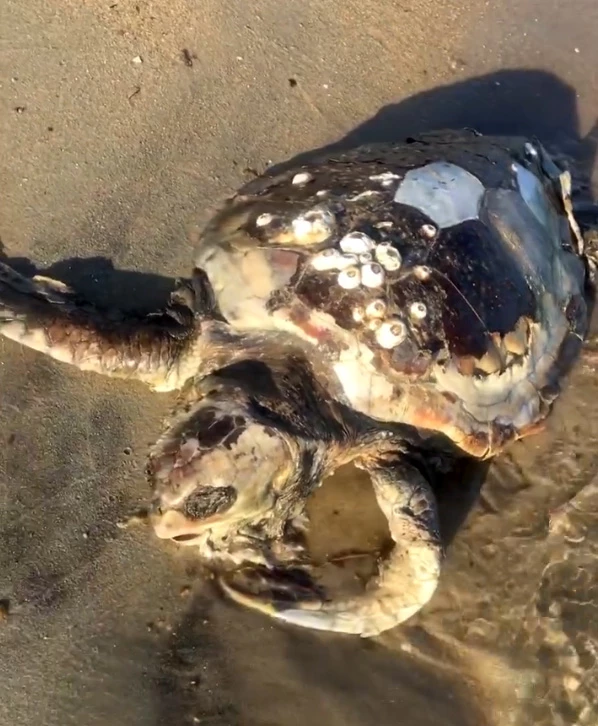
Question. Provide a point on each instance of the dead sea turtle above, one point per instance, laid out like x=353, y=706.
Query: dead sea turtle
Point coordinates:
x=359, y=307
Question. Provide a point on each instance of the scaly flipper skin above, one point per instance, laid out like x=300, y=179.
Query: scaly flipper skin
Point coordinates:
x=47, y=316
x=407, y=579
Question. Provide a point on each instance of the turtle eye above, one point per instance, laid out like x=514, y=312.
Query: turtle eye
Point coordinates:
x=207, y=501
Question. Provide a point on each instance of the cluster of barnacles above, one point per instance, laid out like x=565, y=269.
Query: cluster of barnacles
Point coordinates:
x=361, y=262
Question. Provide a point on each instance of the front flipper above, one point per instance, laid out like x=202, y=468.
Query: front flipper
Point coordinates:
x=407, y=578
x=46, y=315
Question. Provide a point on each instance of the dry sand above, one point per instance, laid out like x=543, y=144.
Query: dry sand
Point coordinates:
x=123, y=123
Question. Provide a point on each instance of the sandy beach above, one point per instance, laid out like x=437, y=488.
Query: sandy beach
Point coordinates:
x=124, y=125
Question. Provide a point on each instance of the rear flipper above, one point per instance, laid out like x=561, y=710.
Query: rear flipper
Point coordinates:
x=46, y=315
x=407, y=578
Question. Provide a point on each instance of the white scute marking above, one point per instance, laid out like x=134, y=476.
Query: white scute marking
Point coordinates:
x=444, y=192
x=533, y=193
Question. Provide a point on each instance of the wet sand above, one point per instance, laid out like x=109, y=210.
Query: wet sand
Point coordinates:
x=123, y=125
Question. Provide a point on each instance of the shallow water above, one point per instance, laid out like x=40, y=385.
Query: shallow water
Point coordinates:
x=116, y=147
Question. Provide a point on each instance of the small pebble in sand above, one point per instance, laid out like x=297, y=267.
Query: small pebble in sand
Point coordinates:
x=137, y=60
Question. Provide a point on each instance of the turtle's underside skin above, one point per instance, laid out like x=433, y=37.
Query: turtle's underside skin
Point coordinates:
x=361, y=307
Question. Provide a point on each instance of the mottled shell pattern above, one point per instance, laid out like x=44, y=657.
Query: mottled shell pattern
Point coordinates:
x=438, y=282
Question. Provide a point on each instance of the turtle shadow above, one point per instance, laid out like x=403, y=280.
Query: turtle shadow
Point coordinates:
x=100, y=282
x=333, y=679
x=532, y=103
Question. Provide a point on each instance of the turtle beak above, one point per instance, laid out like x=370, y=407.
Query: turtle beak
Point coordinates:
x=176, y=526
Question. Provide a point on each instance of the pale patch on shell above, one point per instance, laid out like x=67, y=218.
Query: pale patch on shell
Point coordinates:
x=391, y=333
x=372, y=275
x=386, y=178
x=375, y=309
x=388, y=257
x=418, y=310
x=356, y=243
x=365, y=257
x=444, y=192
x=264, y=219
x=530, y=150
x=350, y=278
x=383, y=225
x=374, y=324
x=302, y=178
x=534, y=195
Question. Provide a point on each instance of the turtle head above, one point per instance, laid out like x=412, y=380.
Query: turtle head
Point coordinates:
x=214, y=471
x=232, y=473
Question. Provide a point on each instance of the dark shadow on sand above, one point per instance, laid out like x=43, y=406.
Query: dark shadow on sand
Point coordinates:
x=532, y=103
